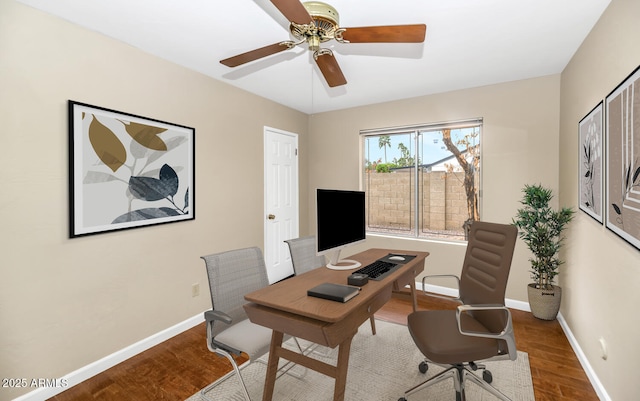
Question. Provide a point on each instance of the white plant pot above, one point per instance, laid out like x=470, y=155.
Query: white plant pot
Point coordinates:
x=544, y=303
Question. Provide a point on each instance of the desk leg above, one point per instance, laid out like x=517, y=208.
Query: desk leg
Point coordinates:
x=272, y=365
x=342, y=366
x=414, y=296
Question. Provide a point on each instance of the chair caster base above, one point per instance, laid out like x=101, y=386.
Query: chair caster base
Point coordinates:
x=402, y=399
x=487, y=376
x=423, y=367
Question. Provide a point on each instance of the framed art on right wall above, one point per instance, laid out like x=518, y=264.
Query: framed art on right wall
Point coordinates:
x=623, y=159
x=591, y=177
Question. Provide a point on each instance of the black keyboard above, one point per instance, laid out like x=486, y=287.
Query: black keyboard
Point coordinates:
x=378, y=269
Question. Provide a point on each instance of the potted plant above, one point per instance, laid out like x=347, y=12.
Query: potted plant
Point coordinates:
x=541, y=229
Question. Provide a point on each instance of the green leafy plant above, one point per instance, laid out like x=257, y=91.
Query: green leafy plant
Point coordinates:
x=541, y=229
x=382, y=168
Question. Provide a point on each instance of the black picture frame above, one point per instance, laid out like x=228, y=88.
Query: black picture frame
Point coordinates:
x=591, y=168
x=622, y=113
x=127, y=171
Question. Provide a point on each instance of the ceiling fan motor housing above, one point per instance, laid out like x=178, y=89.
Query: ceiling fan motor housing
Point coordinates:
x=325, y=23
x=320, y=10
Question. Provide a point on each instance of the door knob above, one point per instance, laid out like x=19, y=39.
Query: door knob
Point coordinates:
x=271, y=216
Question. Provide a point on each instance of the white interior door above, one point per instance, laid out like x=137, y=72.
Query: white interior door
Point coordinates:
x=281, y=200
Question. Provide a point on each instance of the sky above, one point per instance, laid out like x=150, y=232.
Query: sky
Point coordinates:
x=433, y=148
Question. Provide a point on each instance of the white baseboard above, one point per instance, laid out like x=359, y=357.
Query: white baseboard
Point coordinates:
x=109, y=361
x=524, y=306
x=591, y=374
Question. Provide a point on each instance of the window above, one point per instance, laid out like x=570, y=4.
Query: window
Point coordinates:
x=422, y=181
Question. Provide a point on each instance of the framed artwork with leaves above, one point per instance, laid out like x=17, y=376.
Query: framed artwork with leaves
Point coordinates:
x=127, y=171
x=623, y=159
x=591, y=166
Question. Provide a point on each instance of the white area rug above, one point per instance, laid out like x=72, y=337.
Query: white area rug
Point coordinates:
x=381, y=367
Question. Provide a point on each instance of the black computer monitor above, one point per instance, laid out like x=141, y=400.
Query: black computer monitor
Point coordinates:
x=340, y=222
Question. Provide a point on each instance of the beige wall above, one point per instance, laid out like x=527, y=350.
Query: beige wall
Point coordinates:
x=519, y=140
x=602, y=274
x=65, y=303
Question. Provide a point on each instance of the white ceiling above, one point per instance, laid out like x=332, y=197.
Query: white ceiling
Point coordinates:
x=469, y=43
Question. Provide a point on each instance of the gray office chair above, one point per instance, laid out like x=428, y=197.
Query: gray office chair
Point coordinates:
x=303, y=254
x=233, y=274
x=305, y=258
x=478, y=330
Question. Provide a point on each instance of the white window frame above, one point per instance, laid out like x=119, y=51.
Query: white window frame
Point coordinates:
x=416, y=130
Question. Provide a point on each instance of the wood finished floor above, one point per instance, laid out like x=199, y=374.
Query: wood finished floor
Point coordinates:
x=182, y=365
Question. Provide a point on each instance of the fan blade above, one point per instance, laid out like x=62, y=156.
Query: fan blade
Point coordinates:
x=293, y=10
x=255, y=54
x=386, y=34
x=330, y=69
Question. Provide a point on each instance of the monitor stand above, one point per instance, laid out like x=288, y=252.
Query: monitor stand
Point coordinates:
x=335, y=263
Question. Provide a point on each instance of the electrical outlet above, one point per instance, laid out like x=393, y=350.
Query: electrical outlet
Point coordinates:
x=195, y=290
x=603, y=349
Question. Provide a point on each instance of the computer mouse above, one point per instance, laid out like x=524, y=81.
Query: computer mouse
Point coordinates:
x=396, y=257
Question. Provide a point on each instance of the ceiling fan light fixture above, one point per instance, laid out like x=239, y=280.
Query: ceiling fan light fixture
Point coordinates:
x=314, y=43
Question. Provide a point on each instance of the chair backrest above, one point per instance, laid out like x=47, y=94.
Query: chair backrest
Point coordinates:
x=486, y=268
x=303, y=254
x=232, y=274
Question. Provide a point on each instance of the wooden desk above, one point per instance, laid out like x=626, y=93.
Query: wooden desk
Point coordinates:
x=285, y=307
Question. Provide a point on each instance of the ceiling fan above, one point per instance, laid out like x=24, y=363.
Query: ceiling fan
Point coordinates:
x=315, y=22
